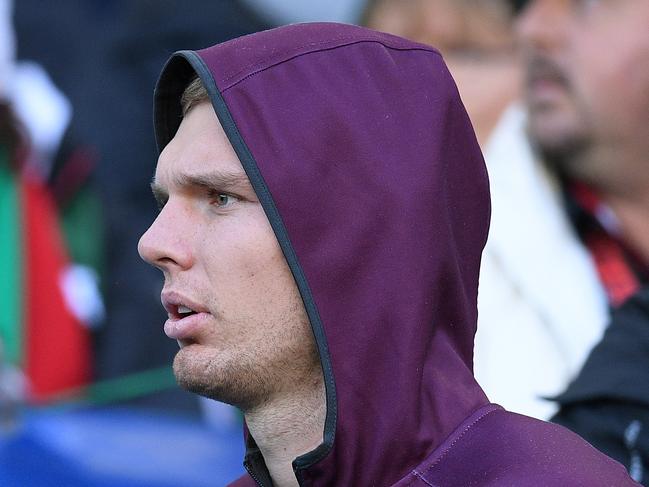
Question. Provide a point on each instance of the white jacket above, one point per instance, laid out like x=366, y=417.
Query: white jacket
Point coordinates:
x=541, y=306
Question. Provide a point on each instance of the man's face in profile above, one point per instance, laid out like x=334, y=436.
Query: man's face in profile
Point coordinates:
x=587, y=72
x=232, y=302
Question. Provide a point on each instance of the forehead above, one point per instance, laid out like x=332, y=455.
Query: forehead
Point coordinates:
x=622, y=27
x=199, y=145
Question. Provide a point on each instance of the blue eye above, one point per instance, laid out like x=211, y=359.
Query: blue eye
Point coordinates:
x=221, y=200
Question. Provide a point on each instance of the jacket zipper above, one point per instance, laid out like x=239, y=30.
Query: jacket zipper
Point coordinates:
x=254, y=477
x=259, y=483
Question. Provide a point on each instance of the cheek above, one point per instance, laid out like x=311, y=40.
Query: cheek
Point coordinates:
x=621, y=94
x=610, y=63
x=244, y=267
x=636, y=72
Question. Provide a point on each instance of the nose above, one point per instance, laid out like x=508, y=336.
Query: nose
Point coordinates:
x=542, y=25
x=167, y=243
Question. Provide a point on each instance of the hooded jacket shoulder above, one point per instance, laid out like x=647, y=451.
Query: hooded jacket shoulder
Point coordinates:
x=531, y=453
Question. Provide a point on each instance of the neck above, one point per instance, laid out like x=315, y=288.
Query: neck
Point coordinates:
x=287, y=427
x=632, y=211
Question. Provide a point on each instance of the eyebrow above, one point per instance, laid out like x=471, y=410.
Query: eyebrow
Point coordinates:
x=225, y=181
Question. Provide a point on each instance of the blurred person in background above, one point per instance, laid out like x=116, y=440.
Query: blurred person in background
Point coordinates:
x=112, y=51
x=568, y=236
x=323, y=208
x=43, y=333
x=477, y=40
x=608, y=403
x=541, y=308
x=587, y=93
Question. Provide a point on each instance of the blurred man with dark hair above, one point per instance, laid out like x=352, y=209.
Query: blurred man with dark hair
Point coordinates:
x=475, y=37
x=587, y=93
x=587, y=111
x=533, y=267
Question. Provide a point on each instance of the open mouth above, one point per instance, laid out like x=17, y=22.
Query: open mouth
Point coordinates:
x=184, y=312
x=182, y=326
x=186, y=318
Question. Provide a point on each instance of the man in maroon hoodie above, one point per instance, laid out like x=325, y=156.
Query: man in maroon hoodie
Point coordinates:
x=324, y=205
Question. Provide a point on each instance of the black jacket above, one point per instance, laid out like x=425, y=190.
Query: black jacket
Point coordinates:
x=608, y=403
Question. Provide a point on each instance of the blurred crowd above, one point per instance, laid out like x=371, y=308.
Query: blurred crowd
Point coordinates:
x=557, y=91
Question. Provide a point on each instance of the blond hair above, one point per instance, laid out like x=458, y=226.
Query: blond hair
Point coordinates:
x=194, y=94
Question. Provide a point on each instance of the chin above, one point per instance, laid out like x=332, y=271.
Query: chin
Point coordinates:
x=557, y=136
x=558, y=122
x=193, y=369
x=208, y=373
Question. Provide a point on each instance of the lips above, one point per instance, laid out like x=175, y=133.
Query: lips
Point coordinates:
x=545, y=79
x=545, y=90
x=186, y=329
x=186, y=317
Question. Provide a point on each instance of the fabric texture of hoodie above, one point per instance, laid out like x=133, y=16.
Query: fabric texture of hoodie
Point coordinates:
x=362, y=155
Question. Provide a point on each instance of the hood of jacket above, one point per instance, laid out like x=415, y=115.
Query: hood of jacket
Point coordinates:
x=366, y=164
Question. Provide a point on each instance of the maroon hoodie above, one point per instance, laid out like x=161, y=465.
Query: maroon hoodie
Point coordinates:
x=366, y=164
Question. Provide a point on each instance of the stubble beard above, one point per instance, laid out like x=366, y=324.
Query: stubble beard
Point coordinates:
x=568, y=159
x=559, y=130
x=566, y=151
x=210, y=374
x=249, y=376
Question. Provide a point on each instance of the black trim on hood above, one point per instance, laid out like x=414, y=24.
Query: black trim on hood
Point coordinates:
x=176, y=75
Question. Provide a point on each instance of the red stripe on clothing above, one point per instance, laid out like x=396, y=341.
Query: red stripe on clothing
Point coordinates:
x=57, y=354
